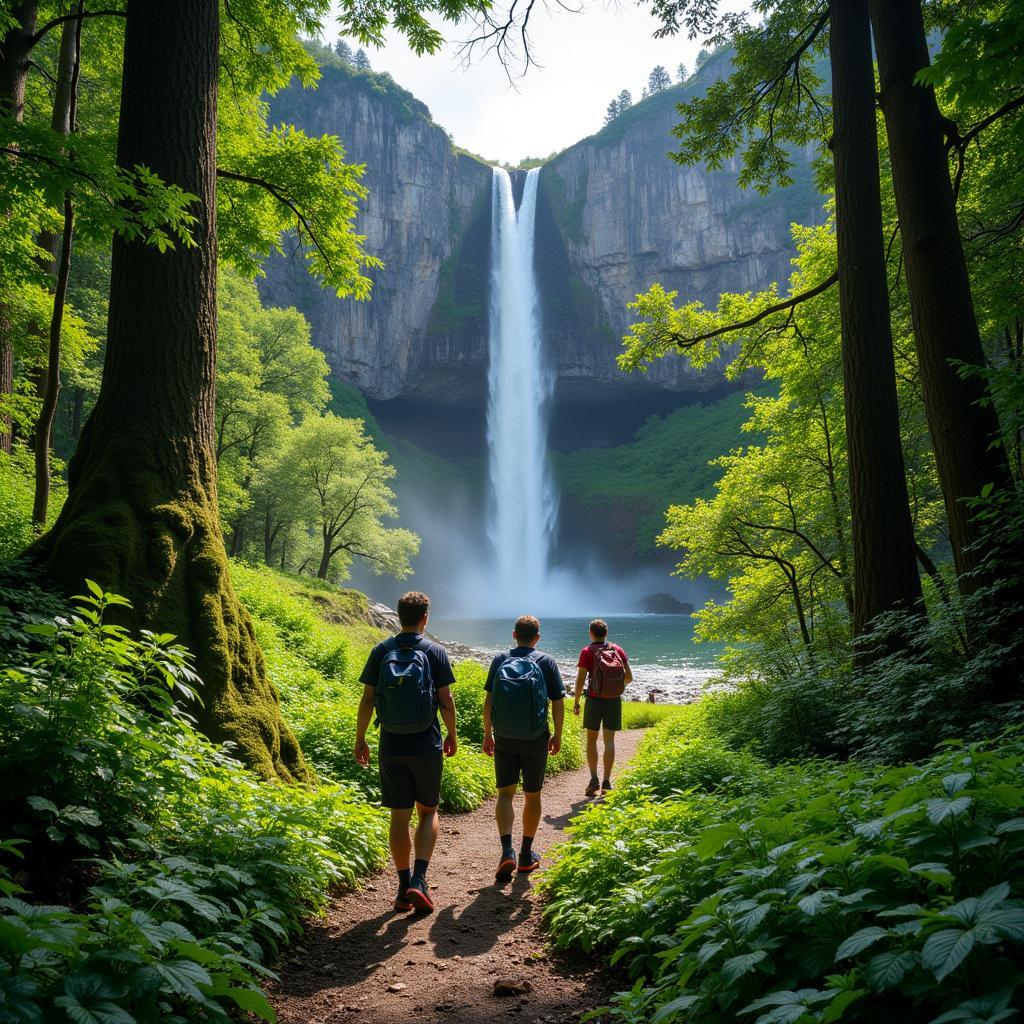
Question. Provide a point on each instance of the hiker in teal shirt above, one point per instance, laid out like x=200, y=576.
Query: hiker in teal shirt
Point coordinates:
x=519, y=686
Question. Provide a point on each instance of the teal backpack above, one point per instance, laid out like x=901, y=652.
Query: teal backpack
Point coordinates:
x=519, y=700
x=405, y=699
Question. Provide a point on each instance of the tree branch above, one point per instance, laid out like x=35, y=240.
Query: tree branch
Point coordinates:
x=791, y=303
x=267, y=186
x=50, y=25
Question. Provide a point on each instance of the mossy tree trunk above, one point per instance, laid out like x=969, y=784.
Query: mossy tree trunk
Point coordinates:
x=884, y=566
x=141, y=515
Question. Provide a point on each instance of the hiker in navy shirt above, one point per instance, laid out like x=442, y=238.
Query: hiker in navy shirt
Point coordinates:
x=407, y=680
x=519, y=686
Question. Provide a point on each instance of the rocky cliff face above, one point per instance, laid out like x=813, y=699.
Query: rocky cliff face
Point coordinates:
x=614, y=216
x=628, y=217
x=423, y=198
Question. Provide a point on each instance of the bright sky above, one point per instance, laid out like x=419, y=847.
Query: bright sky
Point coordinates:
x=585, y=58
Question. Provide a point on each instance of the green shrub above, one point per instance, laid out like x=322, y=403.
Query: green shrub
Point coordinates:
x=468, y=691
x=593, y=883
x=199, y=870
x=641, y=715
x=840, y=893
x=467, y=779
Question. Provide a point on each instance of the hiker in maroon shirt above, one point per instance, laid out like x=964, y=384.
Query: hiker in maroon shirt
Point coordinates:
x=606, y=666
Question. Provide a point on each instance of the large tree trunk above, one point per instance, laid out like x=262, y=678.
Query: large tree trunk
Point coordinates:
x=62, y=123
x=882, y=534
x=962, y=422
x=15, y=49
x=141, y=515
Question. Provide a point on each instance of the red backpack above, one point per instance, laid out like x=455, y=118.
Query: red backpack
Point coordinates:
x=607, y=671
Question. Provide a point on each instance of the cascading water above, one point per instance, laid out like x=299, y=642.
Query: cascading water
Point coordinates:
x=523, y=501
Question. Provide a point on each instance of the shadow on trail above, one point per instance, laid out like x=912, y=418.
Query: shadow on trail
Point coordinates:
x=560, y=821
x=479, y=925
x=337, y=958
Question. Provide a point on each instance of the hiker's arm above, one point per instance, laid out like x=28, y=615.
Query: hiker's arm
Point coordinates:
x=446, y=702
x=363, y=716
x=581, y=678
x=629, y=673
x=558, y=717
x=488, y=744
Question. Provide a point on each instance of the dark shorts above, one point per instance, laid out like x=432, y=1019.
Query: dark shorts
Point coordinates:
x=606, y=711
x=411, y=779
x=514, y=756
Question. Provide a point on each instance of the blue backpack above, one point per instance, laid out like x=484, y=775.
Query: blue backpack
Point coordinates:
x=405, y=699
x=519, y=700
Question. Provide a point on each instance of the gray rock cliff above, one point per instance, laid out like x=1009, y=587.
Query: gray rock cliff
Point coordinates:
x=423, y=196
x=614, y=214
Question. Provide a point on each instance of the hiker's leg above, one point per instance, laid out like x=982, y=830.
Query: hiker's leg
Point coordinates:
x=609, y=752
x=531, y=813
x=592, y=751
x=399, y=839
x=504, y=810
x=426, y=831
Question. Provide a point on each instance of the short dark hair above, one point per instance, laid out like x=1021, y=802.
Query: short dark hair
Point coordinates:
x=599, y=628
x=412, y=607
x=527, y=628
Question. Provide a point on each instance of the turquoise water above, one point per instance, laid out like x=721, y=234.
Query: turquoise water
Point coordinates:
x=661, y=649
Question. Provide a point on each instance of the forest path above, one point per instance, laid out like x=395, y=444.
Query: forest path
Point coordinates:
x=480, y=932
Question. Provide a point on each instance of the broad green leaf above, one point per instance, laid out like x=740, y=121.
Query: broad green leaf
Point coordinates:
x=887, y=970
x=859, y=941
x=252, y=1000
x=945, y=951
x=955, y=782
x=675, y=1006
x=941, y=810
x=736, y=967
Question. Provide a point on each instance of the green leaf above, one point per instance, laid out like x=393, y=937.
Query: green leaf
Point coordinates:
x=184, y=978
x=835, y=1010
x=736, y=967
x=955, y=782
x=887, y=970
x=934, y=872
x=888, y=860
x=945, y=951
x=675, y=1006
x=40, y=803
x=252, y=1000
x=940, y=810
x=989, y=1008
x=859, y=941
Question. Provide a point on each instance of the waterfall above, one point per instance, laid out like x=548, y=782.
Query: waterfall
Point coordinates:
x=523, y=504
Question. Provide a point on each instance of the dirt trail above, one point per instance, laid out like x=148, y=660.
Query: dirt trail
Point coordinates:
x=480, y=932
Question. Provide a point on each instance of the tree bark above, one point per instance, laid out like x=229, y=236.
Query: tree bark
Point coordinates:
x=65, y=104
x=141, y=516
x=882, y=534
x=14, y=53
x=963, y=424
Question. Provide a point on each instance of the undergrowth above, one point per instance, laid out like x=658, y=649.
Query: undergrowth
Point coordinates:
x=731, y=890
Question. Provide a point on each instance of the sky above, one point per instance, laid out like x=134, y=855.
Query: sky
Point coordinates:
x=585, y=60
